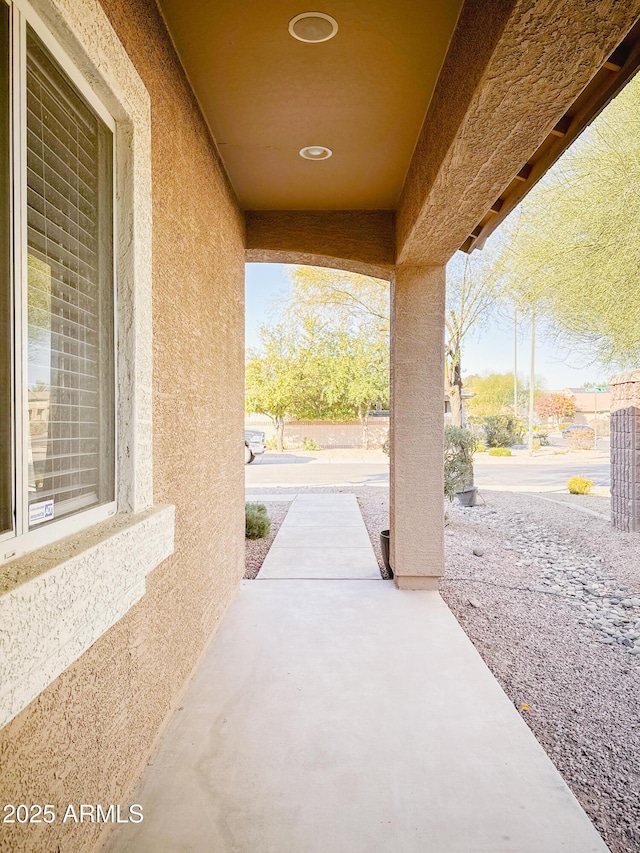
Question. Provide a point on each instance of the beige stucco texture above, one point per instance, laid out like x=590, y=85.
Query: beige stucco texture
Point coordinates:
x=360, y=241
x=417, y=426
x=512, y=70
x=86, y=737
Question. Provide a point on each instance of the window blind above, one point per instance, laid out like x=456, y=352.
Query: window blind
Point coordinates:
x=70, y=397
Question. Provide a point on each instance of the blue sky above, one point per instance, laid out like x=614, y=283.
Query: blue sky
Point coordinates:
x=490, y=350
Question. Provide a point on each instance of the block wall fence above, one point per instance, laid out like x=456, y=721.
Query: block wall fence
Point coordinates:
x=625, y=451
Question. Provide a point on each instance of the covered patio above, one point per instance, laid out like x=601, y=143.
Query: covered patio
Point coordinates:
x=323, y=713
x=384, y=154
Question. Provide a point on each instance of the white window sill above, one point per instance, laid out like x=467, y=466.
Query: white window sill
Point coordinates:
x=57, y=601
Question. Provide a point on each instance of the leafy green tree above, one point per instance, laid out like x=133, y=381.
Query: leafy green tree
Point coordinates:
x=274, y=378
x=313, y=371
x=349, y=299
x=368, y=379
x=362, y=305
x=573, y=247
x=351, y=316
x=493, y=393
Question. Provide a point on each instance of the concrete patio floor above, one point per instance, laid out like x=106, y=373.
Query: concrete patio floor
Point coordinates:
x=345, y=716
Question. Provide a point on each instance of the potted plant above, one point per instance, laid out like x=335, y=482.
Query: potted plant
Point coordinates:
x=459, y=447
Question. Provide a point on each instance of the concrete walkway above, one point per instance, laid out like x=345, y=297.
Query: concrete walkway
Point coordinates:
x=322, y=536
x=345, y=716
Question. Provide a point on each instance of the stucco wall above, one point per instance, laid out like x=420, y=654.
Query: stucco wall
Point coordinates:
x=86, y=737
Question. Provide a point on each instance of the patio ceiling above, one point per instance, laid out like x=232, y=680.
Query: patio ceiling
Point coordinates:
x=363, y=94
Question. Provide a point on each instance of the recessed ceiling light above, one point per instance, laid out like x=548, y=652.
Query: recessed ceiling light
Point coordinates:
x=313, y=27
x=316, y=152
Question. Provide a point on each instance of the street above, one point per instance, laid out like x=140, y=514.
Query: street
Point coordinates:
x=521, y=474
x=538, y=475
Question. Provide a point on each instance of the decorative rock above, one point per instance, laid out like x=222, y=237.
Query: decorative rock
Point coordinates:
x=475, y=603
x=478, y=552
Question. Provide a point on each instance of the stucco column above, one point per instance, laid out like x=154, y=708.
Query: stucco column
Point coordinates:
x=417, y=426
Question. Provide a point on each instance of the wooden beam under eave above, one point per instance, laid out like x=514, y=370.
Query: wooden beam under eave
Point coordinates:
x=524, y=173
x=513, y=70
x=562, y=127
x=617, y=59
x=602, y=88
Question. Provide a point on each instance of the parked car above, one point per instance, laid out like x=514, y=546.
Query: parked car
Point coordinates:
x=254, y=444
x=569, y=429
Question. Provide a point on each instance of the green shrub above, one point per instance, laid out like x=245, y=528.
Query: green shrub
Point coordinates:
x=386, y=444
x=501, y=430
x=257, y=521
x=271, y=443
x=480, y=447
x=459, y=446
x=541, y=437
x=562, y=426
x=310, y=444
x=579, y=485
x=499, y=451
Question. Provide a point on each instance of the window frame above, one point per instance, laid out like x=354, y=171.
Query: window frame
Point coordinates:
x=21, y=540
x=59, y=600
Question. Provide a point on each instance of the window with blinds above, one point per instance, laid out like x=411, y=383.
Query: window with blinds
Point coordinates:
x=69, y=339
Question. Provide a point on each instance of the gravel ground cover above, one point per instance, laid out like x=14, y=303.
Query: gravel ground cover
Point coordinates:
x=552, y=603
x=597, y=503
x=257, y=549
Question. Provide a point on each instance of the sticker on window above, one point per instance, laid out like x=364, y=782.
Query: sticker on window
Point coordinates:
x=40, y=512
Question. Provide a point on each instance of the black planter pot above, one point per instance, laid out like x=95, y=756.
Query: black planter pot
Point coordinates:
x=467, y=497
x=384, y=547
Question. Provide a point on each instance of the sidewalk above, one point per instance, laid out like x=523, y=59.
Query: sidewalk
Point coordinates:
x=347, y=716
x=322, y=536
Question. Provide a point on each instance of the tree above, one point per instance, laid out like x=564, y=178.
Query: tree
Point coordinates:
x=368, y=379
x=362, y=303
x=473, y=285
x=493, y=393
x=575, y=240
x=556, y=406
x=312, y=370
x=350, y=299
x=273, y=378
x=351, y=315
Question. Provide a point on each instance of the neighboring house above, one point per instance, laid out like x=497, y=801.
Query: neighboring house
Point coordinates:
x=589, y=403
x=146, y=153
